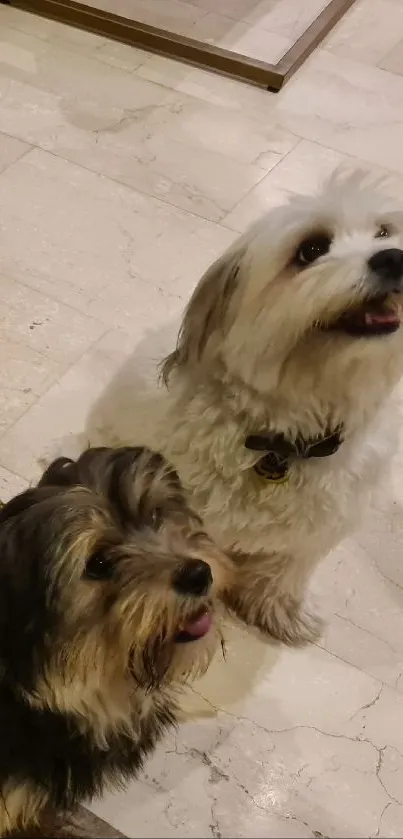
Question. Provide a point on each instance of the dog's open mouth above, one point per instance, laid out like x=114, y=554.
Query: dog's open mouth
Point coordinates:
x=195, y=628
x=380, y=315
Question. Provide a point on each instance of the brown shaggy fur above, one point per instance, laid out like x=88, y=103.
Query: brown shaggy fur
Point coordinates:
x=105, y=573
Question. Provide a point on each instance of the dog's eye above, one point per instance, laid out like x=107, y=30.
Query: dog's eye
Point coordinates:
x=311, y=249
x=98, y=568
x=383, y=232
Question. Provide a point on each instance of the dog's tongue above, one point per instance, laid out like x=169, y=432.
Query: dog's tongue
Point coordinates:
x=373, y=316
x=199, y=627
x=387, y=316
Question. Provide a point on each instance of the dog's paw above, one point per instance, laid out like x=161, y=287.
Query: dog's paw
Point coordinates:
x=282, y=617
x=291, y=623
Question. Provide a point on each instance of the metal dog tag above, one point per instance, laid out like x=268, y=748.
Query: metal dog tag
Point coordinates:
x=273, y=468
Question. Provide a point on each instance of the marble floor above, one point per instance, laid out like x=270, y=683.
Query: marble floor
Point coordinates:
x=261, y=29
x=123, y=175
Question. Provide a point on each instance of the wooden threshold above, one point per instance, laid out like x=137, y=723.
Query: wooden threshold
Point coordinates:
x=197, y=53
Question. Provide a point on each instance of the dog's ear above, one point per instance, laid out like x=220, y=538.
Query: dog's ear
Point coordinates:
x=65, y=472
x=134, y=480
x=18, y=504
x=61, y=472
x=22, y=587
x=205, y=313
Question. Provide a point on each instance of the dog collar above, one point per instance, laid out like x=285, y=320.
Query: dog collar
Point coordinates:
x=280, y=453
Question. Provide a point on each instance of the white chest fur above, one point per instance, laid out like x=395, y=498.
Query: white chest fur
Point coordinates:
x=305, y=516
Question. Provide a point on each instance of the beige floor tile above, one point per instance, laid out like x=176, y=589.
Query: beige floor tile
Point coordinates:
x=367, y=570
x=214, y=28
x=173, y=15
x=289, y=18
x=393, y=61
x=104, y=251
x=48, y=30
x=364, y=649
x=301, y=171
x=390, y=823
x=48, y=67
x=79, y=249
x=75, y=40
x=272, y=764
x=40, y=338
x=235, y=136
x=368, y=31
x=122, y=56
x=43, y=324
x=236, y=9
x=24, y=375
x=10, y=484
x=84, y=406
x=350, y=107
x=255, y=42
x=209, y=87
x=245, y=39
x=56, y=424
x=10, y=151
x=156, y=141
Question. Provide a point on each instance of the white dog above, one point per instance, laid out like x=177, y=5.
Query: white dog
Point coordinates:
x=279, y=416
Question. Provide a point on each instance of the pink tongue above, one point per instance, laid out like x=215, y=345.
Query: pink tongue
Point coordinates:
x=381, y=317
x=199, y=627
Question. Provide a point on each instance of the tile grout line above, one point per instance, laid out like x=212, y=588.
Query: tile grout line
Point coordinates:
x=41, y=353
x=247, y=194
x=350, y=157
x=54, y=383
x=136, y=190
x=20, y=157
x=44, y=294
x=360, y=670
x=70, y=49
x=366, y=631
x=12, y=473
x=50, y=294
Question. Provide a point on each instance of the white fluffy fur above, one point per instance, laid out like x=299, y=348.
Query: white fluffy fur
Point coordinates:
x=249, y=360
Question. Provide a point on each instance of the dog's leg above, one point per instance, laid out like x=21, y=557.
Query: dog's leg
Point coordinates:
x=269, y=594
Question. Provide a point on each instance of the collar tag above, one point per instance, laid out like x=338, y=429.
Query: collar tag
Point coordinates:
x=273, y=468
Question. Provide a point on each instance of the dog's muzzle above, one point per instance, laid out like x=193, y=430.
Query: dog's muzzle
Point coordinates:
x=380, y=313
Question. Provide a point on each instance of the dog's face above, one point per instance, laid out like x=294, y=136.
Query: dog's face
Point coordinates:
x=105, y=575
x=311, y=293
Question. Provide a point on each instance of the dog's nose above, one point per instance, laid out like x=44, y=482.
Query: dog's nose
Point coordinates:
x=387, y=264
x=194, y=577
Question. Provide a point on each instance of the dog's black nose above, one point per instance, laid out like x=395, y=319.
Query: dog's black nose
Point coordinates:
x=387, y=264
x=194, y=577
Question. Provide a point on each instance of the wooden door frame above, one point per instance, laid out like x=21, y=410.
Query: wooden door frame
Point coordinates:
x=199, y=54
